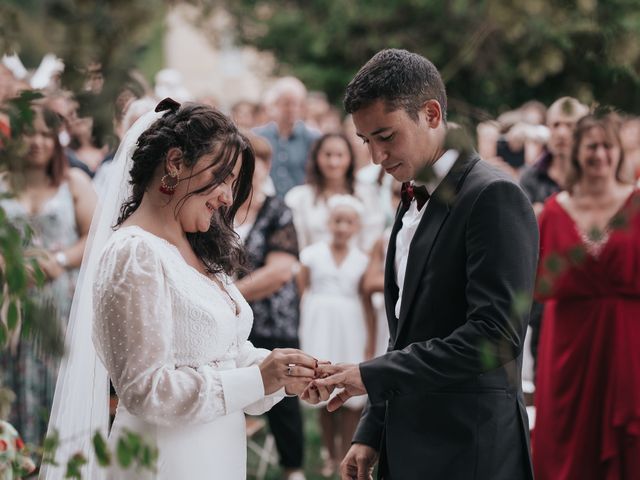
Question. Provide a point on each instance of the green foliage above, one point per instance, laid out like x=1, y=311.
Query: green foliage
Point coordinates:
x=102, y=451
x=554, y=263
x=493, y=54
x=124, y=452
x=113, y=34
x=488, y=355
x=49, y=448
x=521, y=304
x=74, y=465
x=577, y=255
x=132, y=450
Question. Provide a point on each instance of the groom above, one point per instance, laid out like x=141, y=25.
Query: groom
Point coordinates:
x=446, y=401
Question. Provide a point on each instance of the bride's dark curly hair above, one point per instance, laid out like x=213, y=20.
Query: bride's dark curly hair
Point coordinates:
x=197, y=130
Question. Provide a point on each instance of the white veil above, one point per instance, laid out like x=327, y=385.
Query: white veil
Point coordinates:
x=81, y=399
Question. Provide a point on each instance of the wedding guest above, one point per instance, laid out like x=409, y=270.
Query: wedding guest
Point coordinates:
x=132, y=112
x=85, y=145
x=8, y=90
x=265, y=225
x=65, y=106
x=242, y=114
x=57, y=203
x=630, y=141
x=549, y=175
x=289, y=136
x=588, y=384
x=316, y=107
x=336, y=323
x=331, y=171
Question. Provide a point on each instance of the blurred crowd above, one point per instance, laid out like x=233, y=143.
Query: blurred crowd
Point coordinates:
x=316, y=231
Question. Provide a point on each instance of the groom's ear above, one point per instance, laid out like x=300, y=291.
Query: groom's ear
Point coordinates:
x=174, y=161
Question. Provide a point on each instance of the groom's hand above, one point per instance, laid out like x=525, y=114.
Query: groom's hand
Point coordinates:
x=313, y=394
x=358, y=463
x=345, y=376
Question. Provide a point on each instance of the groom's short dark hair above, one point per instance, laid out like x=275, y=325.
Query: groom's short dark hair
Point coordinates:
x=401, y=79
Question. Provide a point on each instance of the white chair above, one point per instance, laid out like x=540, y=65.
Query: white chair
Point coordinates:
x=261, y=443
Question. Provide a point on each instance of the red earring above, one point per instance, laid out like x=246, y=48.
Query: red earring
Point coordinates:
x=169, y=188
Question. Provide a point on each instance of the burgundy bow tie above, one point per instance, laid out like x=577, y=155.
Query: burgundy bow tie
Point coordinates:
x=410, y=191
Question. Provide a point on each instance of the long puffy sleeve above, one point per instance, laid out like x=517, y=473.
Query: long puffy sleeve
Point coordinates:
x=133, y=332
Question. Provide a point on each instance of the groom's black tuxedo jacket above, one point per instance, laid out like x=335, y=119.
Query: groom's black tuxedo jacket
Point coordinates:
x=446, y=401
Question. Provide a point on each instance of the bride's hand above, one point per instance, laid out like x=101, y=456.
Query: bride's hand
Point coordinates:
x=299, y=388
x=286, y=367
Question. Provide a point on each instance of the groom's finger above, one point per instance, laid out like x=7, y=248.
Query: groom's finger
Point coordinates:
x=328, y=369
x=324, y=393
x=364, y=470
x=311, y=395
x=336, y=402
x=336, y=380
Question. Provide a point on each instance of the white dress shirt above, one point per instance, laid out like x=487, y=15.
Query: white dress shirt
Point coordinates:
x=411, y=220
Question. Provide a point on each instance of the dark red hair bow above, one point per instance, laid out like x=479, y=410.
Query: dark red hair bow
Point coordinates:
x=168, y=104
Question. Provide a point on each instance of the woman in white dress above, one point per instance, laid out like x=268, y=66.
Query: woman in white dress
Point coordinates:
x=331, y=171
x=169, y=326
x=336, y=321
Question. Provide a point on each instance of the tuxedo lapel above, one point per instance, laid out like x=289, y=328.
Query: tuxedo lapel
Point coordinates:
x=390, y=286
x=437, y=211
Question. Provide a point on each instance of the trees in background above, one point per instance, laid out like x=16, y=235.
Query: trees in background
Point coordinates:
x=493, y=54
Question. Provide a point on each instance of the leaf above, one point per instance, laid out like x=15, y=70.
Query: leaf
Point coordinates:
x=135, y=443
x=619, y=221
x=487, y=356
x=12, y=315
x=554, y=263
x=146, y=456
x=544, y=286
x=38, y=274
x=49, y=447
x=595, y=234
x=521, y=304
x=3, y=335
x=102, y=451
x=74, y=465
x=577, y=255
x=16, y=278
x=124, y=453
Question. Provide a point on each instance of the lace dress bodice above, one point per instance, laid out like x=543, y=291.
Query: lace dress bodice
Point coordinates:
x=173, y=340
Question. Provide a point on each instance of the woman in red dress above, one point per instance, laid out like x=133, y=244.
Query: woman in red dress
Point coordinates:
x=588, y=383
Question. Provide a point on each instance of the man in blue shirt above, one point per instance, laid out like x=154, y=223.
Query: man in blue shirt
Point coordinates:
x=288, y=135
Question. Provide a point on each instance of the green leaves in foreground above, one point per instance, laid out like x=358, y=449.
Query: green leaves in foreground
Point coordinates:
x=131, y=452
x=74, y=465
x=102, y=451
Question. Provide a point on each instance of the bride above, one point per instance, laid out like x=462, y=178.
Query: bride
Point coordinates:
x=169, y=328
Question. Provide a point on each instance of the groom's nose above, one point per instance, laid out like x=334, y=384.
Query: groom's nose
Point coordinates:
x=378, y=154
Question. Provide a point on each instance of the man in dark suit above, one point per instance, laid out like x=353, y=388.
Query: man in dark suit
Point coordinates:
x=446, y=401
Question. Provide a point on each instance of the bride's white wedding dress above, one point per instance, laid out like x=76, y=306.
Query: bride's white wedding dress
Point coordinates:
x=175, y=346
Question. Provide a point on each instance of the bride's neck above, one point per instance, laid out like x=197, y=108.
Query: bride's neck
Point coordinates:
x=157, y=216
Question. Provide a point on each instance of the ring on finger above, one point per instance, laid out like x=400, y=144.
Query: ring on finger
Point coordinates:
x=290, y=369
